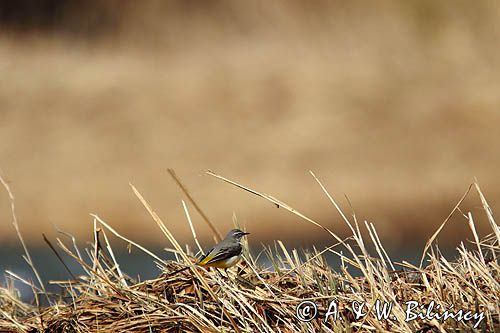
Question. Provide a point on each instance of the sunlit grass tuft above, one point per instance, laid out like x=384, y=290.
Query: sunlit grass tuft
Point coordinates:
x=255, y=298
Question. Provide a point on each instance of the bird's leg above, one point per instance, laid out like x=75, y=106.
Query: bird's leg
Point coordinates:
x=220, y=274
x=229, y=277
x=225, y=273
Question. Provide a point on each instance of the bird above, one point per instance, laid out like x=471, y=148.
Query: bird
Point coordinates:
x=226, y=253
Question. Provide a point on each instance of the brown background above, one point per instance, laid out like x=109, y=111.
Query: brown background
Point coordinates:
x=395, y=104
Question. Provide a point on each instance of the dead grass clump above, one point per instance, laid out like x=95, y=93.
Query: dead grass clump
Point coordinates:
x=253, y=298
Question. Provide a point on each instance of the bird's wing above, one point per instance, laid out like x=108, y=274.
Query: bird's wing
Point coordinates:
x=205, y=255
x=219, y=253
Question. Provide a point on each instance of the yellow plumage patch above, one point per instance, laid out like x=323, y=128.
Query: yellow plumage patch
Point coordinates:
x=205, y=260
x=226, y=263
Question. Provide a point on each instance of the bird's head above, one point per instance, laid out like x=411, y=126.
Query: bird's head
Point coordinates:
x=236, y=234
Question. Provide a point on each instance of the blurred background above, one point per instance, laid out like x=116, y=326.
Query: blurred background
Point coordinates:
x=393, y=104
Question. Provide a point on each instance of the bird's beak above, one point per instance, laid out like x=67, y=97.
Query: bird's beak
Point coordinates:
x=246, y=233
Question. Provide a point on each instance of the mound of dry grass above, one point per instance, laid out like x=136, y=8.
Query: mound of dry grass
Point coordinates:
x=253, y=298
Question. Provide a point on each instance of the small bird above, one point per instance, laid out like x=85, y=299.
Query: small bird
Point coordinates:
x=225, y=254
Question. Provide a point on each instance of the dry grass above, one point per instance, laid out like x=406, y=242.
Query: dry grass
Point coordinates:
x=253, y=298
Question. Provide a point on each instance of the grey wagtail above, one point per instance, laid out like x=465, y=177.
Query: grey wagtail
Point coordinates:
x=225, y=254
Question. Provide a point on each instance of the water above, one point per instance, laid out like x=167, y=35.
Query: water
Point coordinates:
x=136, y=264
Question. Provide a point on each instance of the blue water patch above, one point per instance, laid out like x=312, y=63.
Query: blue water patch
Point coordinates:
x=136, y=264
